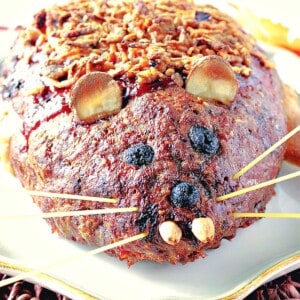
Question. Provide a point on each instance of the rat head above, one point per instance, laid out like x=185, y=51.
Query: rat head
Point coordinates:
x=164, y=137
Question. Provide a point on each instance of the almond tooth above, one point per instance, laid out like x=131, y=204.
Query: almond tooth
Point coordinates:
x=96, y=95
x=170, y=232
x=213, y=78
x=203, y=229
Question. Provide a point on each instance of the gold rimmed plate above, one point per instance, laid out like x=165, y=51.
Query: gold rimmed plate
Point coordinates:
x=259, y=253
x=12, y=268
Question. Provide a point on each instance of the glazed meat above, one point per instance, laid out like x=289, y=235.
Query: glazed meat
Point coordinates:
x=156, y=140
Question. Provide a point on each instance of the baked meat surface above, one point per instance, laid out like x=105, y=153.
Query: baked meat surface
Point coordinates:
x=165, y=150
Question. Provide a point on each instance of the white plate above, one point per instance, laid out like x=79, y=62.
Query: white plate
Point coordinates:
x=257, y=253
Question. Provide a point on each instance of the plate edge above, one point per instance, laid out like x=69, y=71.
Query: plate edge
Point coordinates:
x=266, y=275
x=11, y=268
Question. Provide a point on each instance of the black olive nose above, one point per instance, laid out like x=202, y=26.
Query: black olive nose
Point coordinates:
x=184, y=194
x=203, y=140
x=139, y=155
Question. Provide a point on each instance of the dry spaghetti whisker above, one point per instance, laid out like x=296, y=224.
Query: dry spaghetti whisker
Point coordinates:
x=60, y=214
x=267, y=152
x=62, y=261
x=266, y=215
x=61, y=195
x=258, y=186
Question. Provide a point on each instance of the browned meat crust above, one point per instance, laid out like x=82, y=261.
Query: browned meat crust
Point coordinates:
x=56, y=152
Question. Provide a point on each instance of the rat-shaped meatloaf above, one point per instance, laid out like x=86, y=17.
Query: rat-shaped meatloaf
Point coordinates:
x=154, y=103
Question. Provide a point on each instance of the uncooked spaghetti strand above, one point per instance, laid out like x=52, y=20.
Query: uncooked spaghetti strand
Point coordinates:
x=62, y=261
x=60, y=195
x=266, y=215
x=76, y=213
x=264, y=154
x=258, y=186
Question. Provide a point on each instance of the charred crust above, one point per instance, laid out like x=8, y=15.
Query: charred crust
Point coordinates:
x=40, y=20
x=187, y=233
x=148, y=220
x=77, y=185
x=12, y=88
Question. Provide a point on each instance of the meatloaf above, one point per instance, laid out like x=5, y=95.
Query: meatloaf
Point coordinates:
x=154, y=103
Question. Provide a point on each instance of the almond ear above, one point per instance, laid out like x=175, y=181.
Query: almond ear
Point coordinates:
x=96, y=95
x=213, y=78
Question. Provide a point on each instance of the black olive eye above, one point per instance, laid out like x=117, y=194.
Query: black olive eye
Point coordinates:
x=201, y=16
x=203, y=140
x=184, y=194
x=139, y=155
